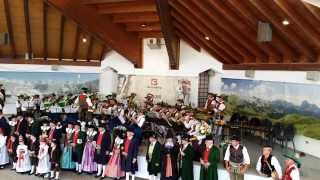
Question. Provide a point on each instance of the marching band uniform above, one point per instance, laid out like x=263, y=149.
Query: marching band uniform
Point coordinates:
x=84, y=103
x=55, y=161
x=103, y=145
x=88, y=165
x=4, y=157
x=78, y=138
x=19, y=105
x=186, y=154
x=23, y=160
x=113, y=168
x=153, y=157
x=66, y=159
x=43, y=167
x=209, y=161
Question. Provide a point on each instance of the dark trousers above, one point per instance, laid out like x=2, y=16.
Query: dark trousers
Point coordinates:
x=83, y=114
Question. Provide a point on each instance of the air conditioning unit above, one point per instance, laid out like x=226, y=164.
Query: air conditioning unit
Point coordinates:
x=4, y=38
x=54, y=68
x=249, y=73
x=313, y=75
x=264, y=32
x=154, y=43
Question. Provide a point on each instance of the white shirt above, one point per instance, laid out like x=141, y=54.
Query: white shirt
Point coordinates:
x=274, y=162
x=295, y=175
x=140, y=120
x=246, y=158
x=88, y=100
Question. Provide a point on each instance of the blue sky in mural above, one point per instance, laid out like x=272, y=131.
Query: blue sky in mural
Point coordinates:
x=292, y=92
x=36, y=76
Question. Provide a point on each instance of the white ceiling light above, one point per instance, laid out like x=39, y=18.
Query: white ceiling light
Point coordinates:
x=84, y=40
x=285, y=22
x=207, y=38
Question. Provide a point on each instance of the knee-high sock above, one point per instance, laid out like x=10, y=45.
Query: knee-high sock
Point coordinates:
x=77, y=167
x=32, y=170
x=57, y=175
x=127, y=175
x=14, y=165
x=132, y=176
x=80, y=168
x=51, y=174
x=103, y=170
x=99, y=170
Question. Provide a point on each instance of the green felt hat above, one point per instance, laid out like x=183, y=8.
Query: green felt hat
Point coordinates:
x=294, y=156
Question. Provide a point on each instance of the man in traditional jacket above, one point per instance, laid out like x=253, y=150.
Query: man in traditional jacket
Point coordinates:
x=268, y=165
x=169, y=157
x=21, y=126
x=186, y=156
x=130, y=154
x=237, y=159
x=78, y=139
x=209, y=160
x=33, y=126
x=84, y=103
x=153, y=156
x=103, y=148
x=292, y=166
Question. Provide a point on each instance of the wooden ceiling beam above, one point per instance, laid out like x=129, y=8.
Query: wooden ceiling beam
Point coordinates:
x=197, y=28
x=278, y=42
x=9, y=27
x=274, y=66
x=76, y=44
x=61, y=36
x=191, y=43
x=226, y=58
x=143, y=27
x=136, y=18
x=127, y=7
x=151, y=34
x=27, y=25
x=103, y=1
x=127, y=44
x=89, y=51
x=207, y=48
x=187, y=10
x=308, y=30
x=171, y=40
x=45, y=30
x=48, y=62
x=315, y=11
x=243, y=29
x=286, y=32
x=228, y=30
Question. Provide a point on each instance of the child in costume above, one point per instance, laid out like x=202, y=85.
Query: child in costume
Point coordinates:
x=23, y=160
x=66, y=158
x=43, y=167
x=113, y=168
x=88, y=165
x=34, y=150
x=12, y=145
x=54, y=160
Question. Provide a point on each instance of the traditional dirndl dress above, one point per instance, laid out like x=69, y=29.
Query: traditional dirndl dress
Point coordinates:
x=66, y=158
x=113, y=168
x=44, y=160
x=88, y=164
x=4, y=157
x=23, y=162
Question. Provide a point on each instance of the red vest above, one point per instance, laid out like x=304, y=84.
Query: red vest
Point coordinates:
x=206, y=154
x=83, y=101
x=287, y=173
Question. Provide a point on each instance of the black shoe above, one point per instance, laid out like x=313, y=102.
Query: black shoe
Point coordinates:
x=79, y=173
x=102, y=178
x=96, y=176
x=1, y=167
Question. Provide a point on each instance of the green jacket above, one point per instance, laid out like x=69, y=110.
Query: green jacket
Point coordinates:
x=187, y=164
x=212, y=172
x=154, y=161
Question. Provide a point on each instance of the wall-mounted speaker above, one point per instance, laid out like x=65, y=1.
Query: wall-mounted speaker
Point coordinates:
x=313, y=75
x=264, y=32
x=249, y=73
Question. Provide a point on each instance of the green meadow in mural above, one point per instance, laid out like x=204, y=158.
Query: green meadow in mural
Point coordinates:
x=281, y=102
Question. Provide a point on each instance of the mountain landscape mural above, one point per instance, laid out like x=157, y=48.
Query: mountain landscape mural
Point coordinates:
x=279, y=101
